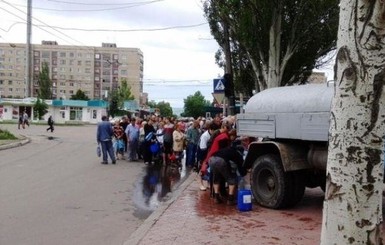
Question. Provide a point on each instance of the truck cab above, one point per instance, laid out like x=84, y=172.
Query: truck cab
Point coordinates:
x=292, y=124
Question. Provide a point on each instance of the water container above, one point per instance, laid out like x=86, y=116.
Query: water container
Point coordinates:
x=244, y=200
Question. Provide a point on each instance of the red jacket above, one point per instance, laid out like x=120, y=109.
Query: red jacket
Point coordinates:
x=214, y=148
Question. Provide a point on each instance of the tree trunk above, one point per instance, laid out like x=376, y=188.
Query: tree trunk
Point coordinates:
x=352, y=211
x=275, y=49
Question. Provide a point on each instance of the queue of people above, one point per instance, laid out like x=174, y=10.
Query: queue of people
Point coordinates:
x=209, y=146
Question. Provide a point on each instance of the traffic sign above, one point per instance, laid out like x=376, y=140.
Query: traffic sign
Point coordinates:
x=218, y=97
x=219, y=86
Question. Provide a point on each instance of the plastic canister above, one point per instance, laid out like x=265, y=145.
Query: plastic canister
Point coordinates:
x=244, y=200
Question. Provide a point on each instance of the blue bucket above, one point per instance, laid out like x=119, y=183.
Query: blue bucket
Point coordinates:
x=244, y=200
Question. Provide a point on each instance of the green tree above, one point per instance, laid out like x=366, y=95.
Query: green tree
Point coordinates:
x=124, y=92
x=45, y=83
x=118, y=96
x=40, y=108
x=164, y=108
x=80, y=95
x=194, y=105
x=276, y=42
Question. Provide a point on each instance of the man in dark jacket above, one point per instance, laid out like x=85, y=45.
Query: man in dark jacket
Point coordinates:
x=104, y=135
x=224, y=164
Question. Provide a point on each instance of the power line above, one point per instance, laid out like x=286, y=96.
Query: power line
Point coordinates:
x=84, y=47
x=95, y=10
x=127, y=30
x=102, y=4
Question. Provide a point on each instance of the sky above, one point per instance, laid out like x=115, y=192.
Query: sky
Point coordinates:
x=173, y=35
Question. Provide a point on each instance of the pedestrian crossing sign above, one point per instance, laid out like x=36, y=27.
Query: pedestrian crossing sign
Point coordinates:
x=219, y=86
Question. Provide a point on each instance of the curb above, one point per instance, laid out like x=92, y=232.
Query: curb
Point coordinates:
x=15, y=144
x=136, y=237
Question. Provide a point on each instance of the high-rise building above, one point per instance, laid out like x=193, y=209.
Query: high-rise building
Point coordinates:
x=97, y=71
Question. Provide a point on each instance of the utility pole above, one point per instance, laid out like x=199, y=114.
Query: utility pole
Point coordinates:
x=28, y=68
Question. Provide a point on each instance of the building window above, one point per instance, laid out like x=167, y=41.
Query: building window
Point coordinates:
x=94, y=114
x=71, y=84
x=72, y=55
x=62, y=62
x=79, y=62
x=10, y=82
x=115, y=56
x=76, y=113
x=45, y=54
x=62, y=54
x=97, y=56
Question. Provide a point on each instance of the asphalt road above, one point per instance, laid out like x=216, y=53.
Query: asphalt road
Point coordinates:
x=54, y=190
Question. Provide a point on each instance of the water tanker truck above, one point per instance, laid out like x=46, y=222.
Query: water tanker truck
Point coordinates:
x=291, y=128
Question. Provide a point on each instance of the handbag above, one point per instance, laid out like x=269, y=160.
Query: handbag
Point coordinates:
x=98, y=151
x=154, y=148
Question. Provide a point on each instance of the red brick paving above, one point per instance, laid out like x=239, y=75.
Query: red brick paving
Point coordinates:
x=194, y=218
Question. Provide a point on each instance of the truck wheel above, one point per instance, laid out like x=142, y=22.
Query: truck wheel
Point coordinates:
x=270, y=185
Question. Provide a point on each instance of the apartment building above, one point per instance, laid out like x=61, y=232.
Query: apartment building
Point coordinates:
x=95, y=70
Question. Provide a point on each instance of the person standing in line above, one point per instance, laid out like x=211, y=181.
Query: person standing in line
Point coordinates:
x=202, y=153
x=149, y=136
x=132, y=134
x=192, y=137
x=50, y=124
x=124, y=123
x=119, y=134
x=104, y=135
x=159, y=134
x=178, y=141
x=168, y=129
x=141, y=138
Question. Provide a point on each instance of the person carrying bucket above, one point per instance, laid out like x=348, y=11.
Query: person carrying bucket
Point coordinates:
x=225, y=164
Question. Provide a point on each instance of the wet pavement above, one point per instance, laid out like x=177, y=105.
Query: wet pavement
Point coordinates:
x=192, y=217
x=183, y=214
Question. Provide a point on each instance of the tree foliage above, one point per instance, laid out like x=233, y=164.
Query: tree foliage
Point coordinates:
x=40, y=108
x=45, y=83
x=118, y=96
x=274, y=42
x=194, y=105
x=164, y=108
x=80, y=95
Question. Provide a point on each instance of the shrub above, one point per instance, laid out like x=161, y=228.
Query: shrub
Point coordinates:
x=6, y=135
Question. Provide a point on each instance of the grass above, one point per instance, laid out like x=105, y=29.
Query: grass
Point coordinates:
x=6, y=135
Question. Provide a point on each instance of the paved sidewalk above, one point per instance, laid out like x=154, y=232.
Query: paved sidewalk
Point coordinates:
x=192, y=217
